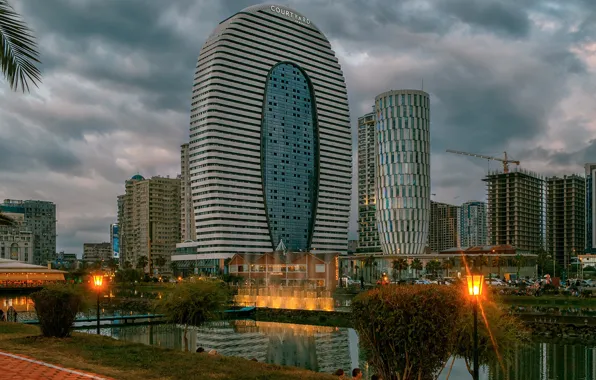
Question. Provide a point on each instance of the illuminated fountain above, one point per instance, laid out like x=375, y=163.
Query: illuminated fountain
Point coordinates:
x=285, y=298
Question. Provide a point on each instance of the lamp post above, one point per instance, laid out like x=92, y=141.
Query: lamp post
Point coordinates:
x=475, y=283
x=98, y=282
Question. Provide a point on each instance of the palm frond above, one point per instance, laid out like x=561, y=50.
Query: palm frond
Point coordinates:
x=6, y=220
x=18, y=50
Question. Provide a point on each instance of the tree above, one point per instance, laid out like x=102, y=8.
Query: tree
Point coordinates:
x=447, y=264
x=127, y=265
x=18, y=50
x=399, y=265
x=160, y=261
x=433, y=266
x=6, y=220
x=194, y=303
x=174, y=267
x=368, y=263
x=416, y=265
x=57, y=307
x=142, y=262
x=113, y=264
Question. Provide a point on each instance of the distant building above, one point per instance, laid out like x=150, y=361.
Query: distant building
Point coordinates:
x=97, y=252
x=516, y=209
x=472, y=224
x=402, y=173
x=565, y=217
x=39, y=217
x=368, y=233
x=296, y=269
x=149, y=221
x=590, y=208
x=16, y=243
x=187, y=214
x=443, y=226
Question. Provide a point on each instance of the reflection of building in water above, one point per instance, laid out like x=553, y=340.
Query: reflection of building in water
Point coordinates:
x=545, y=361
x=221, y=336
x=166, y=336
x=317, y=348
x=333, y=350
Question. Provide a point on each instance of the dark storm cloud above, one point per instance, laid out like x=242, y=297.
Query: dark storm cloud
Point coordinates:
x=509, y=17
x=118, y=78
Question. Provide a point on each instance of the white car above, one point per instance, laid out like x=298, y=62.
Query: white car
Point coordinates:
x=494, y=282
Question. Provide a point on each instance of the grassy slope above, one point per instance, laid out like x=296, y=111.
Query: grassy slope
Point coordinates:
x=129, y=361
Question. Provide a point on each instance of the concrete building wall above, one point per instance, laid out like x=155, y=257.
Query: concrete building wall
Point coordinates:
x=187, y=215
x=368, y=233
x=16, y=243
x=565, y=217
x=590, y=244
x=40, y=219
x=97, y=251
x=402, y=176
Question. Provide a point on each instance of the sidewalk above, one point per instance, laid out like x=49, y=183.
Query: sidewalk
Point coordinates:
x=16, y=367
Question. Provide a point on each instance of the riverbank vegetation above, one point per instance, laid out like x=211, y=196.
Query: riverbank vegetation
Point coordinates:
x=131, y=361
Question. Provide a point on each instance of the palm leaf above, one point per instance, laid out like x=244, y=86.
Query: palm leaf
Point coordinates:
x=18, y=54
x=6, y=220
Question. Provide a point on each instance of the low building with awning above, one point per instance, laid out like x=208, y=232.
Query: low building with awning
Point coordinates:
x=15, y=274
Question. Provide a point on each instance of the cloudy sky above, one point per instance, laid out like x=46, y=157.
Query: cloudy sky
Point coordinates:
x=503, y=75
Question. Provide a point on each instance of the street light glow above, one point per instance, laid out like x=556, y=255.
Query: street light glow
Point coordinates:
x=475, y=283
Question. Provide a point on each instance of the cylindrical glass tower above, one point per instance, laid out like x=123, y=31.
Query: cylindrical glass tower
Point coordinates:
x=402, y=176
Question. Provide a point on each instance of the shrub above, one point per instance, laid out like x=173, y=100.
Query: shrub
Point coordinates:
x=56, y=309
x=194, y=303
x=408, y=332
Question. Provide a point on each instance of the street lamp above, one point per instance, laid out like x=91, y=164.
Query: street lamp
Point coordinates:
x=475, y=283
x=97, y=283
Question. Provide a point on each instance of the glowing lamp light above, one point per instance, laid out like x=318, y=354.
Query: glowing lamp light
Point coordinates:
x=98, y=280
x=475, y=283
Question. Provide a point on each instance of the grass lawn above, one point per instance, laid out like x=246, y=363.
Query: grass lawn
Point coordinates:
x=131, y=361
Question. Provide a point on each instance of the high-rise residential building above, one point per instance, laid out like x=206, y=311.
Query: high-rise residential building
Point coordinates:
x=402, y=185
x=565, y=217
x=368, y=234
x=270, y=152
x=39, y=217
x=149, y=221
x=187, y=215
x=516, y=209
x=472, y=224
x=443, y=226
x=97, y=252
x=590, y=246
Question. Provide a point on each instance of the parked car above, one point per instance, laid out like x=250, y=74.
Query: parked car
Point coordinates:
x=494, y=282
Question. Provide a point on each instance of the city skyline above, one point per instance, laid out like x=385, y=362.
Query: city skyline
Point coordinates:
x=115, y=94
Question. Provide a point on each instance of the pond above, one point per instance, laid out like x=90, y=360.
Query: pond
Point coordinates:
x=325, y=349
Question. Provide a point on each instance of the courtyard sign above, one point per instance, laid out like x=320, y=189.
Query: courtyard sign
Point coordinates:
x=290, y=14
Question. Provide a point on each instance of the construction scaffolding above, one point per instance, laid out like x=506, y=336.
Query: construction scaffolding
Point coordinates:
x=565, y=217
x=516, y=209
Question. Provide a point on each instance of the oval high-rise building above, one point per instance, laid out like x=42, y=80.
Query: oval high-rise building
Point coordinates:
x=270, y=140
x=402, y=183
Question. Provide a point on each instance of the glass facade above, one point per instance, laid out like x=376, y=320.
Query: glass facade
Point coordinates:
x=289, y=159
x=402, y=185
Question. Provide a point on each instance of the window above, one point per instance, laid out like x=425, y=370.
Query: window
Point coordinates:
x=320, y=268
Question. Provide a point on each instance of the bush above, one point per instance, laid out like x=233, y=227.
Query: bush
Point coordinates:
x=56, y=309
x=408, y=332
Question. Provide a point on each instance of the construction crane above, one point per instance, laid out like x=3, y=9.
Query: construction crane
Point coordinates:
x=506, y=161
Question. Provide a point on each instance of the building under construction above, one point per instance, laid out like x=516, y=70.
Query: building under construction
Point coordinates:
x=443, y=232
x=516, y=209
x=565, y=217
